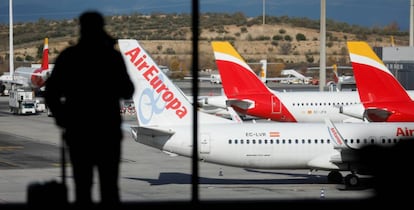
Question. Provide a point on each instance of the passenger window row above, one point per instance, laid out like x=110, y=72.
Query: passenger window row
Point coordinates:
x=324, y=104
x=307, y=141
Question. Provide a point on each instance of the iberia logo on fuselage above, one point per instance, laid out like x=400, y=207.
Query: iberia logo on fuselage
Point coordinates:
x=152, y=74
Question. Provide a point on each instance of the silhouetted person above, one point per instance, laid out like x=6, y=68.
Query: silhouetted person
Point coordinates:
x=83, y=93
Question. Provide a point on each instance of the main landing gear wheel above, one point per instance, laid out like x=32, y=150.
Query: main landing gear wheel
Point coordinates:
x=335, y=177
x=351, y=180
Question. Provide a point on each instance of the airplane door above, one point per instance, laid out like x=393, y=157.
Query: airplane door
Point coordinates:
x=204, y=145
x=276, y=105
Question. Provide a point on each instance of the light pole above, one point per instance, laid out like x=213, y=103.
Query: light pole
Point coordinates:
x=11, y=53
x=264, y=10
x=322, y=62
x=411, y=23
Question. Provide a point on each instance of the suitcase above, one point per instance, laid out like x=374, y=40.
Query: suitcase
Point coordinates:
x=48, y=193
x=52, y=192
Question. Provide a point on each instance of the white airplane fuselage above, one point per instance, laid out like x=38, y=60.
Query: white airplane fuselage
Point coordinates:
x=279, y=145
x=307, y=106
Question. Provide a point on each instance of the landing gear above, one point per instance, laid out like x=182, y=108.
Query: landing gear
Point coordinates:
x=335, y=177
x=351, y=180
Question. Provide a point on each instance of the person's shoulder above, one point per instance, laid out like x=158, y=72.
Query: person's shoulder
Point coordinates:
x=67, y=55
x=115, y=52
x=69, y=50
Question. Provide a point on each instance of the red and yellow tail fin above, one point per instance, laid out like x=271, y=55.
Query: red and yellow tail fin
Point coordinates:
x=45, y=56
x=236, y=75
x=374, y=81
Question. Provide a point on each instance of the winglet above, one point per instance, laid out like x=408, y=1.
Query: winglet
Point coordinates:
x=337, y=139
x=234, y=116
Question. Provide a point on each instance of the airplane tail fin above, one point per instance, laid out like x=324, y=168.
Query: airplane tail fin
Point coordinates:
x=157, y=100
x=335, y=71
x=375, y=82
x=237, y=77
x=40, y=75
x=263, y=71
x=45, y=55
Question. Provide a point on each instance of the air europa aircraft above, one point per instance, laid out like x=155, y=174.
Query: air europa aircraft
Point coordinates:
x=250, y=96
x=29, y=77
x=165, y=118
x=383, y=98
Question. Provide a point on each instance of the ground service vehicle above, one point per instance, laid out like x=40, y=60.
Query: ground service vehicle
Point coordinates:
x=22, y=101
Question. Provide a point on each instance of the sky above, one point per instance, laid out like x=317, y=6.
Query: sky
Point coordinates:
x=359, y=12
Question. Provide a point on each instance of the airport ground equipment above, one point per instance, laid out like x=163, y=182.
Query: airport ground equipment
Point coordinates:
x=22, y=101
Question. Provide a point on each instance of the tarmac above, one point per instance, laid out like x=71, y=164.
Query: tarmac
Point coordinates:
x=29, y=152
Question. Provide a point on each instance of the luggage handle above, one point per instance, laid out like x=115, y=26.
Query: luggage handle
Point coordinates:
x=63, y=157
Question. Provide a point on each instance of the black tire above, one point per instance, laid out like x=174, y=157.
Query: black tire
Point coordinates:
x=351, y=180
x=335, y=177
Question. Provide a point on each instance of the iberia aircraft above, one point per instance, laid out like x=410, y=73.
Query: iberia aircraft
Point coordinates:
x=250, y=96
x=165, y=119
x=383, y=98
x=29, y=77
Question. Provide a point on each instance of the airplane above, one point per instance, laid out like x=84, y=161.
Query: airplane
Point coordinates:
x=5, y=86
x=294, y=77
x=249, y=96
x=341, y=82
x=337, y=79
x=213, y=78
x=290, y=75
x=342, y=78
x=165, y=119
x=383, y=98
x=32, y=77
x=263, y=74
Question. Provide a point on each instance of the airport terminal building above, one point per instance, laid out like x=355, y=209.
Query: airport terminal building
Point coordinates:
x=400, y=61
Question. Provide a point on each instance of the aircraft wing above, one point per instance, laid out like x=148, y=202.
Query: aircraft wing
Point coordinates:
x=324, y=162
x=344, y=154
x=199, y=78
x=33, y=73
x=278, y=78
x=234, y=116
x=13, y=82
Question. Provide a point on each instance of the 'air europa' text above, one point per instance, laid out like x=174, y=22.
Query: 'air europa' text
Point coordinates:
x=150, y=73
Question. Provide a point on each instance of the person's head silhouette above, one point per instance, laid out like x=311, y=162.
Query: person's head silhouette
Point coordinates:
x=92, y=28
x=91, y=22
